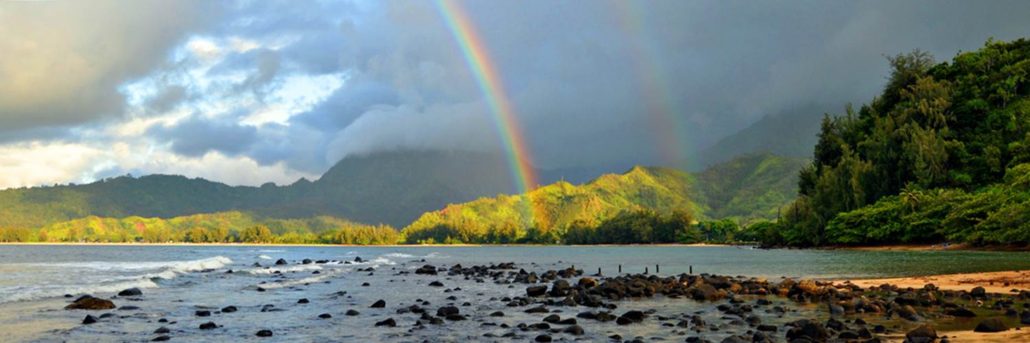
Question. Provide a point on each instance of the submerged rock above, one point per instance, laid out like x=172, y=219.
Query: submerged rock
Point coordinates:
x=389, y=322
x=379, y=304
x=991, y=325
x=264, y=333
x=208, y=326
x=131, y=292
x=88, y=302
x=90, y=319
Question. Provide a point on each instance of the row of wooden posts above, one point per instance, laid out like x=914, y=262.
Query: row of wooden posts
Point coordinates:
x=657, y=269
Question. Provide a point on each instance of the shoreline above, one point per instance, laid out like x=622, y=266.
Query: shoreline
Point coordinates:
x=692, y=245
x=993, y=282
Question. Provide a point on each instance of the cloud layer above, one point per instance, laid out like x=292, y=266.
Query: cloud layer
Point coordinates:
x=247, y=92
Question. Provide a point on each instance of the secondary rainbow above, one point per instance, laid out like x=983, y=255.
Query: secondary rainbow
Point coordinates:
x=490, y=84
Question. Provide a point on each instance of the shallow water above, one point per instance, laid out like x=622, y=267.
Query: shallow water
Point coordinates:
x=178, y=280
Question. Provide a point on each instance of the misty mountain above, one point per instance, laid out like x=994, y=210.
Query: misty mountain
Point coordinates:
x=789, y=134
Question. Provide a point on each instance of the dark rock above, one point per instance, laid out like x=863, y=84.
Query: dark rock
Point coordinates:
x=426, y=270
x=229, y=309
x=379, y=304
x=991, y=325
x=1024, y=317
x=808, y=330
x=90, y=319
x=923, y=333
x=446, y=311
x=766, y=327
x=389, y=322
x=87, y=302
x=106, y=315
x=538, y=309
x=960, y=312
x=587, y=283
x=436, y=284
x=978, y=292
x=497, y=314
x=325, y=316
x=208, y=326
x=161, y=339
x=203, y=313
x=536, y=291
x=128, y=308
x=352, y=312
x=574, y=330
x=280, y=262
x=131, y=292
x=264, y=333
x=303, y=301
x=306, y=261
x=543, y=338
x=163, y=329
x=553, y=319
x=560, y=288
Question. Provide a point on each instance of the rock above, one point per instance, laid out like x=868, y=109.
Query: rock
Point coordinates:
x=560, y=288
x=538, y=309
x=264, y=333
x=447, y=311
x=379, y=304
x=543, y=338
x=358, y=259
x=352, y=312
x=203, y=313
x=90, y=319
x=960, y=312
x=131, y=292
x=161, y=339
x=280, y=262
x=991, y=325
x=88, y=302
x=497, y=314
x=978, y=292
x=325, y=316
x=574, y=330
x=1024, y=317
x=106, y=315
x=923, y=333
x=436, y=284
x=303, y=301
x=553, y=319
x=536, y=291
x=389, y=322
x=128, y=308
x=630, y=317
x=162, y=330
x=587, y=283
x=229, y=309
x=766, y=327
x=208, y=326
x=426, y=270
x=306, y=261
x=704, y=292
x=809, y=330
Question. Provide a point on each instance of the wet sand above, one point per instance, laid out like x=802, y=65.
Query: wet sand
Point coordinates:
x=994, y=282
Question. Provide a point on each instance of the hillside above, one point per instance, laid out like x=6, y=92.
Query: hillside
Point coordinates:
x=790, y=133
x=546, y=214
x=943, y=154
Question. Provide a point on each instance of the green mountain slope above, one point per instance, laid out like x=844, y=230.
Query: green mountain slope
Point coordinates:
x=546, y=214
x=791, y=133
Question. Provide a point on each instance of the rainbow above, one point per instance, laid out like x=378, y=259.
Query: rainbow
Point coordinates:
x=492, y=87
x=666, y=123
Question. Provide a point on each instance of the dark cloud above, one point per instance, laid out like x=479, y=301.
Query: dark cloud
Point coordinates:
x=196, y=136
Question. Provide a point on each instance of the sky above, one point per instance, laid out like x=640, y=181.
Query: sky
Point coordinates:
x=248, y=92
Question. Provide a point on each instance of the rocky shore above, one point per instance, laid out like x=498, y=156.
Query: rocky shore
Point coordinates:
x=513, y=302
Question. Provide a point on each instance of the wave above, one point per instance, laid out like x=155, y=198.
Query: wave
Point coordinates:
x=272, y=270
x=159, y=271
x=264, y=257
x=398, y=255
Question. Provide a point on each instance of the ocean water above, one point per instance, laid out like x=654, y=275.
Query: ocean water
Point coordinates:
x=179, y=280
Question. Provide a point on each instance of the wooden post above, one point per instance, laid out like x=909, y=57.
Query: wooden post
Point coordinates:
x=656, y=270
x=598, y=271
x=691, y=270
x=645, y=270
x=620, y=269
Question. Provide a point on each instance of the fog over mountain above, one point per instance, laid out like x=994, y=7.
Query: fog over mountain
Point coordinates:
x=251, y=92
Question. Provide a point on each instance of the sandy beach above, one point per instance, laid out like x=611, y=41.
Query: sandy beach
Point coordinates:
x=994, y=282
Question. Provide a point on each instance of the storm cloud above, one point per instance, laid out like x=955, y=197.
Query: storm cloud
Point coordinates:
x=289, y=88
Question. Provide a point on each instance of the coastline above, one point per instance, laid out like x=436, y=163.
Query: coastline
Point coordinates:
x=994, y=282
x=692, y=245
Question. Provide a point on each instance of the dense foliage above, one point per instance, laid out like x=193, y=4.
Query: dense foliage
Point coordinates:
x=937, y=156
x=222, y=227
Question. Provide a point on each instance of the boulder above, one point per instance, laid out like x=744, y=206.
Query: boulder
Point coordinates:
x=978, y=292
x=90, y=319
x=264, y=333
x=378, y=304
x=229, y=309
x=325, y=316
x=426, y=270
x=208, y=326
x=923, y=333
x=88, y=302
x=447, y=311
x=280, y=262
x=536, y=291
x=991, y=325
x=587, y=283
x=131, y=292
x=388, y=322
x=202, y=313
x=352, y=312
x=560, y=288
x=543, y=338
x=436, y=284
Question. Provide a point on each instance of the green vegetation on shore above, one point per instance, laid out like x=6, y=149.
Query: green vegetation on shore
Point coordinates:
x=943, y=154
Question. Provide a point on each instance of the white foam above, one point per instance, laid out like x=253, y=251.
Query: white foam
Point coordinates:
x=264, y=257
x=399, y=255
x=310, y=279
x=272, y=270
